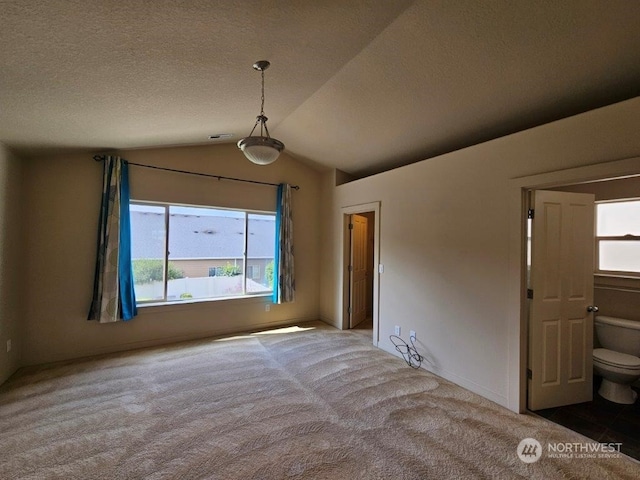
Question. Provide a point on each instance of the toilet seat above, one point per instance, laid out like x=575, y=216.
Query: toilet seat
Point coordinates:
x=616, y=359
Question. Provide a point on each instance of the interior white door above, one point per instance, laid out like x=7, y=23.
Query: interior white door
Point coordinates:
x=560, y=325
x=358, y=271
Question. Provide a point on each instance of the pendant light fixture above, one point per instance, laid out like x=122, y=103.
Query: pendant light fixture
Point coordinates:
x=261, y=150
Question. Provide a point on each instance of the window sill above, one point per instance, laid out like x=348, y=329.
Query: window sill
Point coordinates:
x=622, y=282
x=259, y=297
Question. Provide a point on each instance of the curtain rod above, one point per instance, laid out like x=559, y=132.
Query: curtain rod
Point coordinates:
x=99, y=158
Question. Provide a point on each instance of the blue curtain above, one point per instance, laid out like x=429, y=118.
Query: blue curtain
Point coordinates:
x=113, y=290
x=284, y=284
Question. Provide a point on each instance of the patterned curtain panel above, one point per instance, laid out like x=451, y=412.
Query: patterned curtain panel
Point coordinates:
x=113, y=294
x=284, y=288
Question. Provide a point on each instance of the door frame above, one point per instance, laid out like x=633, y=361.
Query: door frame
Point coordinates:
x=343, y=299
x=517, y=297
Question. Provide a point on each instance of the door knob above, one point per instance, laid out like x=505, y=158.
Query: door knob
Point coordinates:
x=592, y=308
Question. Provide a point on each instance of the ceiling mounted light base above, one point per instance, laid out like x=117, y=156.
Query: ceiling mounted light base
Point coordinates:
x=261, y=65
x=261, y=150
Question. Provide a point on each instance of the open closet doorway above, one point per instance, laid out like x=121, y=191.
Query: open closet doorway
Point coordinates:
x=360, y=264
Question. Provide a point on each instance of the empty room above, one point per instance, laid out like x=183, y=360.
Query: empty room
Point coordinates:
x=319, y=240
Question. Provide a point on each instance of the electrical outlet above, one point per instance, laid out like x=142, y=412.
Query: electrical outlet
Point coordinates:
x=267, y=307
x=396, y=330
x=412, y=334
x=8, y=346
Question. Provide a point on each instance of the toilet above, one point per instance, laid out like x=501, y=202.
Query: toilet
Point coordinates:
x=618, y=360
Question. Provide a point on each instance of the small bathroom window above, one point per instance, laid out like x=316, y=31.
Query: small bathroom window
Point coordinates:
x=618, y=238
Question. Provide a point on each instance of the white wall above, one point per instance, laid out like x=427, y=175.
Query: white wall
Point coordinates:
x=10, y=261
x=450, y=243
x=62, y=195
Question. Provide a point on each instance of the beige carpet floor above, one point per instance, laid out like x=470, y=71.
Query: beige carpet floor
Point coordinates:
x=310, y=402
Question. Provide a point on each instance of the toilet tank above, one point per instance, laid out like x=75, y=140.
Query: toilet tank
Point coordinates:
x=618, y=334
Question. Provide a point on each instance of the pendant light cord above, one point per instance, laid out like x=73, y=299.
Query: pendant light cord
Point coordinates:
x=262, y=100
x=262, y=119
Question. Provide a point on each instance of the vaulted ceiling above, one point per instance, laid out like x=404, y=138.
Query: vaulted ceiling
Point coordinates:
x=358, y=85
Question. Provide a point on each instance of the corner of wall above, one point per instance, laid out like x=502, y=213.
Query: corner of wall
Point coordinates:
x=10, y=262
x=342, y=177
x=327, y=280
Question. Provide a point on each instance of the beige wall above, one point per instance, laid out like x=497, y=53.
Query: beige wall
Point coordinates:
x=10, y=261
x=62, y=195
x=450, y=243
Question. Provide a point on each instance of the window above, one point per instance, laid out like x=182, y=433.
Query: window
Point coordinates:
x=184, y=252
x=618, y=237
x=253, y=271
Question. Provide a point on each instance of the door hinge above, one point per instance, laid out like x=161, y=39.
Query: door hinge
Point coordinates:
x=349, y=310
x=350, y=267
x=529, y=374
x=529, y=293
x=531, y=213
x=351, y=226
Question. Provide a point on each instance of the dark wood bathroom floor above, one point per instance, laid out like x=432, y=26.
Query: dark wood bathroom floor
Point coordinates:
x=601, y=420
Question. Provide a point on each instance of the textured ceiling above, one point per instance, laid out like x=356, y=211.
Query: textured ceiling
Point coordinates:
x=363, y=85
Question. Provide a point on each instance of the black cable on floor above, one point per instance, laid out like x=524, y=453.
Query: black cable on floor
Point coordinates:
x=409, y=352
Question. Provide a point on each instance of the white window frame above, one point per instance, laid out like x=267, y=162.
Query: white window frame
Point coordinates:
x=164, y=300
x=617, y=238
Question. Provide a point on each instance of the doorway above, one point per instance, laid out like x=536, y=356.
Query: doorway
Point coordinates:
x=595, y=417
x=361, y=227
x=608, y=293
x=360, y=307
x=611, y=295
x=517, y=286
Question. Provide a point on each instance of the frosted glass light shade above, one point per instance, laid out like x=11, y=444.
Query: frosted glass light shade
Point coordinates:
x=261, y=150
